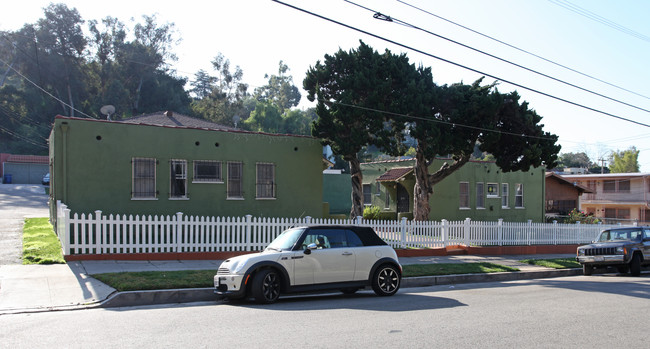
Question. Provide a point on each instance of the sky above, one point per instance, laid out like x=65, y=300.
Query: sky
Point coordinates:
x=605, y=44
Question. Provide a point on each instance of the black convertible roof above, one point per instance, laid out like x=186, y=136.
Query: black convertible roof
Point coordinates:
x=366, y=234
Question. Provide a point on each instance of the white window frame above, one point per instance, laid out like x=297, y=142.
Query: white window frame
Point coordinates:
x=480, y=195
x=505, y=195
x=262, y=183
x=138, y=176
x=235, y=185
x=493, y=193
x=519, y=194
x=179, y=178
x=462, y=196
x=218, y=177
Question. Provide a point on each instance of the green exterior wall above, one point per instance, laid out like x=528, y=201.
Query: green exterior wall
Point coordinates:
x=337, y=192
x=445, y=201
x=92, y=170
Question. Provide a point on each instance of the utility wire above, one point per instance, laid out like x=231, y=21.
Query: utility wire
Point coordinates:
x=22, y=137
x=600, y=19
x=524, y=51
x=393, y=19
x=460, y=65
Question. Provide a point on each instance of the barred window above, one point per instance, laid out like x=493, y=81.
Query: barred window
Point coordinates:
x=464, y=195
x=265, y=181
x=480, y=195
x=143, y=179
x=207, y=171
x=178, y=182
x=235, y=185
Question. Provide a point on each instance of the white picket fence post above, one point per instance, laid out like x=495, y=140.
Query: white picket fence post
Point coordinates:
x=403, y=231
x=178, y=228
x=445, y=233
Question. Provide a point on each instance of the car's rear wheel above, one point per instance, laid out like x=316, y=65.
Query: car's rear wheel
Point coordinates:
x=265, y=287
x=386, y=280
x=587, y=269
x=635, y=265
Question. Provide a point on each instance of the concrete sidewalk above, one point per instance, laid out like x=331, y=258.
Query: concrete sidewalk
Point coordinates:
x=33, y=288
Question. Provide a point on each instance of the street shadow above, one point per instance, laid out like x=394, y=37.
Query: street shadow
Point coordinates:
x=366, y=300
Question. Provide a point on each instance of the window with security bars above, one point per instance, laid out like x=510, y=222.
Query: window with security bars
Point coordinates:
x=265, y=181
x=235, y=185
x=143, y=178
x=208, y=171
x=480, y=195
x=505, y=192
x=367, y=194
x=178, y=182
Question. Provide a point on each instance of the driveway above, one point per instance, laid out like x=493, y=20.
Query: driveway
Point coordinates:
x=17, y=202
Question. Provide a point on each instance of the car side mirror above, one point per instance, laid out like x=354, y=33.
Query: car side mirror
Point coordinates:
x=310, y=247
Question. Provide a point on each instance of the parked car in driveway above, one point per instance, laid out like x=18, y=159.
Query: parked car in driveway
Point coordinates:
x=312, y=259
x=627, y=249
x=46, y=179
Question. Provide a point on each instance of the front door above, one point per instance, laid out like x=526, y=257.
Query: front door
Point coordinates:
x=403, y=199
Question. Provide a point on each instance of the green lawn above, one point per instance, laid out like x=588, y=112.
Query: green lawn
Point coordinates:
x=557, y=263
x=157, y=280
x=40, y=244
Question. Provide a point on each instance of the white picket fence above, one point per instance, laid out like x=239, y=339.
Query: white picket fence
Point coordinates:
x=100, y=234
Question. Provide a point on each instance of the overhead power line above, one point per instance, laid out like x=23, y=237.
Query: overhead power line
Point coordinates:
x=522, y=50
x=395, y=20
x=460, y=65
x=600, y=19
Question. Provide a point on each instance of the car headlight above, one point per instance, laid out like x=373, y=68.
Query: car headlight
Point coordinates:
x=237, y=266
x=620, y=250
x=581, y=252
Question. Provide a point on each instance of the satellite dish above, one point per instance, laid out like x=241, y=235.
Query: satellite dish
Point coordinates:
x=107, y=110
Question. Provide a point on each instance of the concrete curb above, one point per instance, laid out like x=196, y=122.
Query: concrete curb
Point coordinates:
x=189, y=295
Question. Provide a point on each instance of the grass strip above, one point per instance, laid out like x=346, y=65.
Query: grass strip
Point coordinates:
x=160, y=280
x=157, y=280
x=411, y=270
x=40, y=243
x=556, y=263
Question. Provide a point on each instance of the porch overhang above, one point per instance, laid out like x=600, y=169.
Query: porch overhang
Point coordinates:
x=395, y=174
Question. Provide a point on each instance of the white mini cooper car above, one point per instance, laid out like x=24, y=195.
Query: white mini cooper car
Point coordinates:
x=312, y=259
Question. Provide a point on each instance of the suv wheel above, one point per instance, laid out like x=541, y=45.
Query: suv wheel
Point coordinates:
x=635, y=265
x=265, y=287
x=587, y=269
x=386, y=280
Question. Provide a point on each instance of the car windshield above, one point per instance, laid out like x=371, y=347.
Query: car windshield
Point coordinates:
x=286, y=240
x=621, y=234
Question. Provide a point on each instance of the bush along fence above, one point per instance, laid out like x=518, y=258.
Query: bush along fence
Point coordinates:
x=93, y=234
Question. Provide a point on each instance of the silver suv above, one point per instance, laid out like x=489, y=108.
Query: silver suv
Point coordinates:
x=312, y=259
x=627, y=249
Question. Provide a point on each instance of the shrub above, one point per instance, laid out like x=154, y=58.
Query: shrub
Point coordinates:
x=371, y=212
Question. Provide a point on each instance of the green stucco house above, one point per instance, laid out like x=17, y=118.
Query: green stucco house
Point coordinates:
x=479, y=190
x=164, y=163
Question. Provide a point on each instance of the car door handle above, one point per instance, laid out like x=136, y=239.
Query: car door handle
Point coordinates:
x=347, y=253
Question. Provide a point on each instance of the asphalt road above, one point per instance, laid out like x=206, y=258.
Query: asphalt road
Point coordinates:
x=603, y=311
x=17, y=202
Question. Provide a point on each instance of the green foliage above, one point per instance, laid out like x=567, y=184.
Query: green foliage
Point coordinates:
x=575, y=160
x=626, y=161
x=579, y=216
x=40, y=243
x=371, y=212
x=280, y=90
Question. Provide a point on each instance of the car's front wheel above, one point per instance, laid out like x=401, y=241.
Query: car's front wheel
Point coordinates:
x=386, y=280
x=635, y=265
x=266, y=286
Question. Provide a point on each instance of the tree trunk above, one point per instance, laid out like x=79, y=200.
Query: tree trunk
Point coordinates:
x=422, y=190
x=356, y=178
